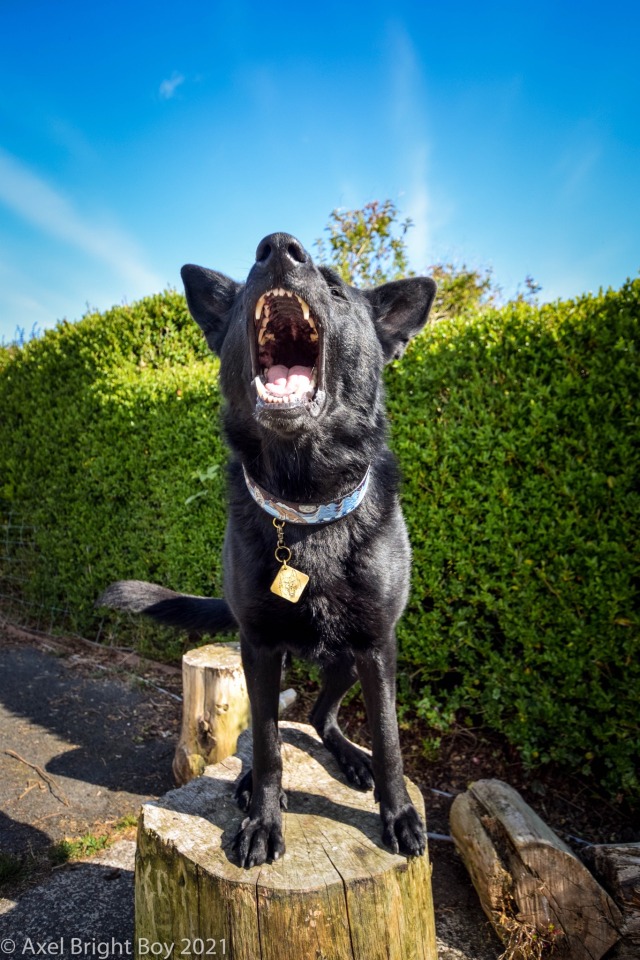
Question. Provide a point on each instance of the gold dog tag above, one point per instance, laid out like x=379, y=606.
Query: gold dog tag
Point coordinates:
x=289, y=583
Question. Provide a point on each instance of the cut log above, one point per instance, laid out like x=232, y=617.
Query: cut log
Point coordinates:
x=336, y=894
x=215, y=708
x=617, y=867
x=534, y=890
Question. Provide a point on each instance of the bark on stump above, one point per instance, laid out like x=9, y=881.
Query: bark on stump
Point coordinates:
x=337, y=894
x=531, y=885
x=617, y=867
x=215, y=708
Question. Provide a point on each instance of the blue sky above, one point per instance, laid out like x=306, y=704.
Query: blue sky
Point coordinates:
x=138, y=136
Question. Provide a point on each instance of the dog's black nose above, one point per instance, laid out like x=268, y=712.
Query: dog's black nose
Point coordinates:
x=281, y=249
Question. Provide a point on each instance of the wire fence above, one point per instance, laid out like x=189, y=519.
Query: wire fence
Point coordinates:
x=24, y=573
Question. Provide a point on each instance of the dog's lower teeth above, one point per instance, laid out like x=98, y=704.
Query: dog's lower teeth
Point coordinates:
x=290, y=398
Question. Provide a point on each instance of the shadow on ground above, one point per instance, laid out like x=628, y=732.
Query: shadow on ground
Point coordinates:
x=76, y=750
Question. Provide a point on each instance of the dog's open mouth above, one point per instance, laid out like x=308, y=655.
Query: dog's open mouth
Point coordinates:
x=288, y=351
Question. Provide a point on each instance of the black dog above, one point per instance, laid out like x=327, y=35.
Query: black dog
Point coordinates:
x=313, y=482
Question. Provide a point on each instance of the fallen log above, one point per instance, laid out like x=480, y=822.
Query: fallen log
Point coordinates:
x=617, y=867
x=337, y=894
x=536, y=892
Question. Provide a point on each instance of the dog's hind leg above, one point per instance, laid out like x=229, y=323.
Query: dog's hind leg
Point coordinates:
x=338, y=677
x=260, y=836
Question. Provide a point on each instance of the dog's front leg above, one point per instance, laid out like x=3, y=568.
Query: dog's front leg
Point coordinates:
x=402, y=826
x=260, y=836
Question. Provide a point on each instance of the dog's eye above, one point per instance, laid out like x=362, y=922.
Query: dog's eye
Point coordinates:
x=338, y=292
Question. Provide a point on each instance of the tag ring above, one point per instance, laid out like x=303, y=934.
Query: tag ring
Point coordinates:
x=278, y=553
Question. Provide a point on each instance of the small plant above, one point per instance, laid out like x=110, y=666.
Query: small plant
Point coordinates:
x=74, y=849
x=522, y=941
x=431, y=749
x=205, y=477
x=126, y=822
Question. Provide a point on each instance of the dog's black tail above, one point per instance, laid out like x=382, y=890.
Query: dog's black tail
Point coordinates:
x=194, y=614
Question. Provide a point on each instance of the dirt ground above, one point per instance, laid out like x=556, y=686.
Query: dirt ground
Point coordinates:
x=88, y=733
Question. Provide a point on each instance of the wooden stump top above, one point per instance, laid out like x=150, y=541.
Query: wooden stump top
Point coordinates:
x=336, y=881
x=224, y=655
x=329, y=828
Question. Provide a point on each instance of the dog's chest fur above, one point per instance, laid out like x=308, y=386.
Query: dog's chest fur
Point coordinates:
x=358, y=569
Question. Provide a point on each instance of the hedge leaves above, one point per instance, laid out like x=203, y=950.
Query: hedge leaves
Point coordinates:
x=517, y=431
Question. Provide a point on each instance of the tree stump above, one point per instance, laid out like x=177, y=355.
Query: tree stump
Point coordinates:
x=215, y=708
x=337, y=893
x=532, y=887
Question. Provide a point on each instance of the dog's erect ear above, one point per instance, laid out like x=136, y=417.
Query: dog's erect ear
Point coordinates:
x=210, y=296
x=400, y=310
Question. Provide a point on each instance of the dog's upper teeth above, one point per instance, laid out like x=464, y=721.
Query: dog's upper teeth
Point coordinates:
x=263, y=302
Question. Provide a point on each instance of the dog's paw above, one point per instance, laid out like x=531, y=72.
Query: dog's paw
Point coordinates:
x=403, y=831
x=257, y=841
x=356, y=766
x=244, y=791
x=354, y=763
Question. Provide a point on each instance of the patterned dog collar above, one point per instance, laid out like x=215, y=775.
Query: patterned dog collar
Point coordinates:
x=307, y=512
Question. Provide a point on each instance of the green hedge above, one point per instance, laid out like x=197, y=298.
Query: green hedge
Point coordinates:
x=518, y=435
x=517, y=432
x=110, y=427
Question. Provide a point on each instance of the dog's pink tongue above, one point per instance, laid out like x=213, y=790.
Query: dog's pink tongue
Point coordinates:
x=282, y=381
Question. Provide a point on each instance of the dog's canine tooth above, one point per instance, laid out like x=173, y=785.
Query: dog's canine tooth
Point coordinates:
x=304, y=306
x=259, y=306
x=260, y=387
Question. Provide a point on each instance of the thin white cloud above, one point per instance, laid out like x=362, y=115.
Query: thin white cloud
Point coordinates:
x=409, y=131
x=406, y=79
x=418, y=207
x=41, y=205
x=576, y=169
x=168, y=87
